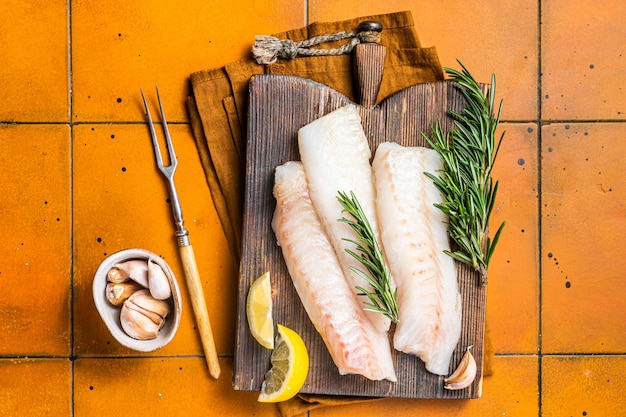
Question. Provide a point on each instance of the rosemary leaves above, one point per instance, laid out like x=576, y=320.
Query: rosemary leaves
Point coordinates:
x=469, y=152
x=382, y=295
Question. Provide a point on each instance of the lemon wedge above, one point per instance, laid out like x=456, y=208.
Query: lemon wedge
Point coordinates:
x=290, y=367
x=259, y=311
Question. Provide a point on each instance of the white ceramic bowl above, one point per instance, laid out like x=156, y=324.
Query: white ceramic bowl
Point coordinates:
x=111, y=314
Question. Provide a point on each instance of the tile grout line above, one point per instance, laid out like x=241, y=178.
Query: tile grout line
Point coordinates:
x=177, y=122
x=70, y=99
x=539, y=213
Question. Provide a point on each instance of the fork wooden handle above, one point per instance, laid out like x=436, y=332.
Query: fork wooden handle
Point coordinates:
x=198, y=304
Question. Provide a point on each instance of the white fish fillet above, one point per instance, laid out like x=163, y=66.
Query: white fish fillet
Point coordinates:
x=354, y=344
x=336, y=157
x=414, y=235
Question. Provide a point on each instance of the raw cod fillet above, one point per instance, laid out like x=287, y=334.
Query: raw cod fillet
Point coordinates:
x=414, y=234
x=354, y=344
x=336, y=157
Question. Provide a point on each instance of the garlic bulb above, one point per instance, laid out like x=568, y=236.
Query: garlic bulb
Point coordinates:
x=142, y=315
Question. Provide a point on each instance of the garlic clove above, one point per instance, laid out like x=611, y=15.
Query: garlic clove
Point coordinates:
x=115, y=276
x=157, y=282
x=117, y=293
x=144, y=301
x=464, y=374
x=137, y=325
x=142, y=315
x=134, y=269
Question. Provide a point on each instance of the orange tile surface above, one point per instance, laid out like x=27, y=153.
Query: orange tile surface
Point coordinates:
x=36, y=222
x=160, y=386
x=34, y=81
x=582, y=49
x=160, y=42
x=79, y=183
x=36, y=387
x=499, y=37
x=583, y=224
x=512, y=297
x=583, y=386
x=123, y=183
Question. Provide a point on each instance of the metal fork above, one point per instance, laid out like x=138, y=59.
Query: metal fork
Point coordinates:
x=190, y=267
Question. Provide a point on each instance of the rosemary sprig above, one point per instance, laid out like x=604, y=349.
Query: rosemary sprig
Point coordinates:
x=469, y=152
x=383, y=297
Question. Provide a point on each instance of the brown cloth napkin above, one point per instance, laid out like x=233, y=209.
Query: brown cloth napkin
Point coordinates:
x=218, y=109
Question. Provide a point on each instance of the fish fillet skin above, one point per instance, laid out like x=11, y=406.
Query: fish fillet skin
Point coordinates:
x=355, y=346
x=336, y=157
x=414, y=235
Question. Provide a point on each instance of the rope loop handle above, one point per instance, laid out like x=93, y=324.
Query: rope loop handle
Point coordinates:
x=268, y=49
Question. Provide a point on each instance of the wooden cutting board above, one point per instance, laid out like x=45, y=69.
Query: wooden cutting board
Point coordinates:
x=279, y=106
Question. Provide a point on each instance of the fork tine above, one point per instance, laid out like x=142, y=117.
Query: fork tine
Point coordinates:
x=155, y=142
x=168, y=139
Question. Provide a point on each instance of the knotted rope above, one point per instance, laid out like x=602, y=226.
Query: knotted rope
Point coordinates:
x=267, y=49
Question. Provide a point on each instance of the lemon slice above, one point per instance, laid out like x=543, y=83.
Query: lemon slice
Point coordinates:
x=290, y=366
x=259, y=311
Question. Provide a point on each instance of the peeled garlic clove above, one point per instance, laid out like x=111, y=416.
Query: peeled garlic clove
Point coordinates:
x=142, y=315
x=464, y=374
x=157, y=282
x=135, y=269
x=117, y=293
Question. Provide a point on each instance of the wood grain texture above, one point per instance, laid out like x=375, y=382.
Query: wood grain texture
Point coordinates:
x=279, y=106
x=369, y=60
x=200, y=311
